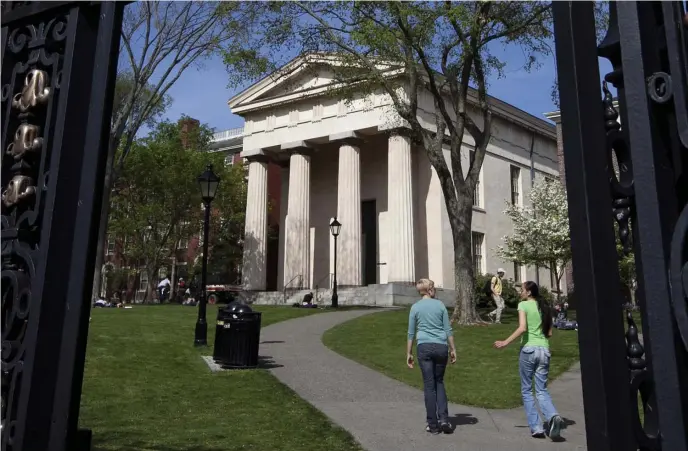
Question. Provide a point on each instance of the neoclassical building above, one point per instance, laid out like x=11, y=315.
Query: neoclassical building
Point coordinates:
x=350, y=159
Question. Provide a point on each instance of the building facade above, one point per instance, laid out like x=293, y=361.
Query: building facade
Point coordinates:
x=350, y=159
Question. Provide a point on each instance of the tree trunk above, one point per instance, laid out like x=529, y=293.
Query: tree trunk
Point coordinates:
x=460, y=220
x=103, y=224
x=173, y=272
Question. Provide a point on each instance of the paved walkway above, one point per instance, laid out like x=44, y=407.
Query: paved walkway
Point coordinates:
x=386, y=415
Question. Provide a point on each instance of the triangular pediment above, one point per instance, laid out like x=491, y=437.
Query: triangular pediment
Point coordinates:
x=304, y=76
x=311, y=77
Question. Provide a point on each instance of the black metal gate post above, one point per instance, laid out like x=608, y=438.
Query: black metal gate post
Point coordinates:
x=601, y=335
x=652, y=88
x=58, y=71
x=635, y=172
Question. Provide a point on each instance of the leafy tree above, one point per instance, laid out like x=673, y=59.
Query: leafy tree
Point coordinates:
x=541, y=231
x=409, y=50
x=227, y=226
x=627, y=272
x=156, y=199
x=160, y=40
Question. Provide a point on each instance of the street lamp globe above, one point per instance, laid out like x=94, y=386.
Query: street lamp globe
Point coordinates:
x=208, y=182
x=335, y=226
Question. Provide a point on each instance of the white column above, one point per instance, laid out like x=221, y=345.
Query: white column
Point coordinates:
x=349, y=215
x=401, y=261
x=256, y=227
x=297, y=253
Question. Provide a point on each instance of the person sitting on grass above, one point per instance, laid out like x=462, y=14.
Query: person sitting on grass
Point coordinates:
x=429, y=324
x=307, y=302
x=535, y=328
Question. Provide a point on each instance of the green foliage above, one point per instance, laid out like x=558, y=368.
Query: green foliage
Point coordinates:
x=156, y=200
x=627, y=271
x=510, y=292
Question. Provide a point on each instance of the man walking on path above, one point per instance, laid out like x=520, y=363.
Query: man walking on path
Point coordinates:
x=496, y=287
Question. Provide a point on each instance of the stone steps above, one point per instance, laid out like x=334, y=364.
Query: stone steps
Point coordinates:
x=380, y=295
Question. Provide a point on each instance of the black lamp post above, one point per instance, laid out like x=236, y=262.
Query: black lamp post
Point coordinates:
x=208, y=183
x=335, y=227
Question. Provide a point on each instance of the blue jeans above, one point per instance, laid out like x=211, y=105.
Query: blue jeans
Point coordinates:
x=432, y=359
x=534, y=362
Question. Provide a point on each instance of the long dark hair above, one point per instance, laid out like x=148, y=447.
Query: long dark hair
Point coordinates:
x=543, y=306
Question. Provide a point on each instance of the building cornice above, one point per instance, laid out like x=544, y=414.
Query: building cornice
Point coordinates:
x=247, y=100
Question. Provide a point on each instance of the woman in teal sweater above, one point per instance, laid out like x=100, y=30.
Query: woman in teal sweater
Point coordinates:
x=535, y=328
x=429, y=324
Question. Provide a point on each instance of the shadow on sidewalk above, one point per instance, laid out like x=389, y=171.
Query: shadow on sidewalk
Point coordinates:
x=462, y=419
x=266, y=362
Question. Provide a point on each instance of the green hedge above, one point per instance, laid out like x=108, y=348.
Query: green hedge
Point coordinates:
x=510, y=292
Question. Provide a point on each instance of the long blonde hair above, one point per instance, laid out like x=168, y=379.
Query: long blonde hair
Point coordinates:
x=426, y=287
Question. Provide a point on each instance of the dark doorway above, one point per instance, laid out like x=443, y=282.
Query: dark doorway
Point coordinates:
x=369, y=236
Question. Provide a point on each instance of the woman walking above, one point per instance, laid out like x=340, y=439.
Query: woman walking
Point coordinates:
x=535, y=328
x=429, y=324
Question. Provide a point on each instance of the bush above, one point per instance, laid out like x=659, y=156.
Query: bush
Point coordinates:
x=510, y=292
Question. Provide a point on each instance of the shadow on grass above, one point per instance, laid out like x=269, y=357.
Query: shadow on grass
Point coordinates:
x=462, y=419
x=103, y=442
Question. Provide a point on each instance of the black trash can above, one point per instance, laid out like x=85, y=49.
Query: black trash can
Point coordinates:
x=237, y=336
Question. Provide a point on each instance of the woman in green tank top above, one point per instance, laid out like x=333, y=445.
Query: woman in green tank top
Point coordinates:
x=535, y=328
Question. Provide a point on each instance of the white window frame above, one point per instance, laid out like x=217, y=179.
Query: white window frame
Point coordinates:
x=143, y=280
x=110, y=245
x=480, y=265
x=515, y=185
x=183, y=243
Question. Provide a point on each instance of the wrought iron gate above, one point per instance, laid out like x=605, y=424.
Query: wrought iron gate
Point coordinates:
x=59, y=63
x=635, y=173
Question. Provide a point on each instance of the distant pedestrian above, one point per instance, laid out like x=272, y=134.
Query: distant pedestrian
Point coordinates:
x=429, y=324
x=496, y=288
x=535, y=328
x=164, y=289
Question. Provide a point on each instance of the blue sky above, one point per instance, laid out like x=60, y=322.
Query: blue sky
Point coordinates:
x=203, y=93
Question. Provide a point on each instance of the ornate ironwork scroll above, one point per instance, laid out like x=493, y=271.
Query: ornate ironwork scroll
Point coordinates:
x=645, y=161
x=59, y=62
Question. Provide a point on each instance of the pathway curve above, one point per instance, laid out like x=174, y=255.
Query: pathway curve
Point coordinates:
x=387, y=415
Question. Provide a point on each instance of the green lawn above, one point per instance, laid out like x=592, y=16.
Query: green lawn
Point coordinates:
x=482, y=376
x=146, y=388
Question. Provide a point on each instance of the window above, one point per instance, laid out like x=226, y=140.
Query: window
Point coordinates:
x=518, y=269
x=183, y=243
x=143, y=280
x=515, y=185
x=476, y=193
x=229, y=160
x=478, y=239
x=549, y=179
x=110, y=245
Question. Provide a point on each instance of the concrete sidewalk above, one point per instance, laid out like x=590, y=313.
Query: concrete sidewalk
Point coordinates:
x=386, y=415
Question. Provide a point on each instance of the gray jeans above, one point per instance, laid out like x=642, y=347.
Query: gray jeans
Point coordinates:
x=432, y=359
x=497, y=313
